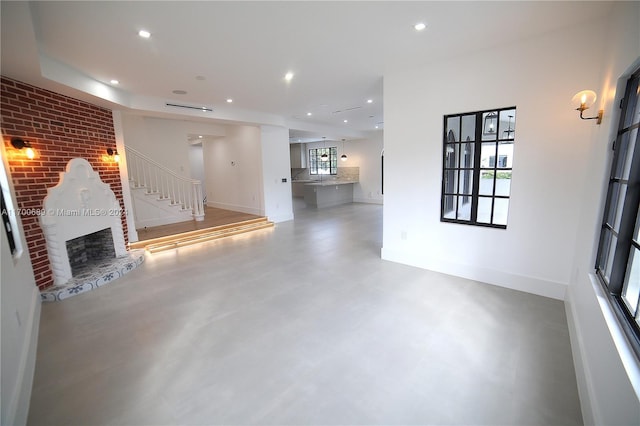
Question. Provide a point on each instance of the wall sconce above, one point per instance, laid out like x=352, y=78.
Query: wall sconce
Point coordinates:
x=114, y=153
x=18, y=143
x=585, y=100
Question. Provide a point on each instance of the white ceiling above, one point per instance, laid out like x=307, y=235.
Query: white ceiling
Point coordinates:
x=338, y=51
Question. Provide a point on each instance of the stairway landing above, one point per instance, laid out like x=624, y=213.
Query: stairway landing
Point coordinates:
x=218, y=223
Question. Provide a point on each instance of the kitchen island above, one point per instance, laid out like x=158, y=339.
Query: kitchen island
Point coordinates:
x=328, y=193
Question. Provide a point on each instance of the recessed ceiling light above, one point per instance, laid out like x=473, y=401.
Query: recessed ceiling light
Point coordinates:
x=199, y=136
x=288, y=76
x=179, y=92
x=420, y=26
x=369, y=101
x=115, y=82
x=346, y=121
x=376, y=126
x=229, y=100
x=200, y=77
x=144, y=33
x=309, y=114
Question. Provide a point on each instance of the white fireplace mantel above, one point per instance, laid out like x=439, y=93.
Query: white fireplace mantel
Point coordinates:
x=80, y=204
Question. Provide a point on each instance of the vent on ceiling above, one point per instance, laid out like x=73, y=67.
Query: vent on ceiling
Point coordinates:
x=345, y=110
x=198, y=108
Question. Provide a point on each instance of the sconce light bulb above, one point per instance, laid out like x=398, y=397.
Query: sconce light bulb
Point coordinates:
x=30, y=153
x=583, y=99
x=116, y=158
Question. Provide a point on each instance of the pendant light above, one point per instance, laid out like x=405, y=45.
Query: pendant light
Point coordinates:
x=324, y=156
x=343, y=157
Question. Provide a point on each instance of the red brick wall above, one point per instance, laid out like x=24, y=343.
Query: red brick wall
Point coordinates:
x=59, y=128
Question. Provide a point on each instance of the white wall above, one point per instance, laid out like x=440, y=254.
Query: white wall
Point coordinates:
x=539, y=76
x=233, y=169
x=166, y=140
x=278, y=205
x=20, y=321
x=196, y=164
x=607, y=372
x=365, y=154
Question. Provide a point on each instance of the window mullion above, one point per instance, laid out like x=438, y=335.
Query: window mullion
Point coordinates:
x=477, y=158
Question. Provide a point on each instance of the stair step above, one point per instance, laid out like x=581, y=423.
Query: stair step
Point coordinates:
x=202, y=235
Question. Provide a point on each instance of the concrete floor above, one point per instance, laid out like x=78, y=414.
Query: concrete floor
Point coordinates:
x=302, y=324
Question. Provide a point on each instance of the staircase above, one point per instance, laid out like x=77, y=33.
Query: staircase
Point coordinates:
x=201, y=235
x=163, y=194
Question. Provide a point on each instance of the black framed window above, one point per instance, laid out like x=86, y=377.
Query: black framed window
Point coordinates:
x=618, y=258
x=320, y=166
x=476, y=167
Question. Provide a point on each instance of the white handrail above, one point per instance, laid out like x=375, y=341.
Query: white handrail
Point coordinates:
x=147, y=173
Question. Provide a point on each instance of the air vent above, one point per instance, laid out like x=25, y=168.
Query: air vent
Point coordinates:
x=345, y=110
x=198, y=108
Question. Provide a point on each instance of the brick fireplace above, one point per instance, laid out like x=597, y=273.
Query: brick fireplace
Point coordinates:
x=59, y=129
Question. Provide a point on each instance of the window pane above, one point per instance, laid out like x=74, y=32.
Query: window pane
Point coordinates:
x=632, y=115
x=450, y=206
x=466, y=182
x=614, y=190
x=488, y=154
x=452, y=155
x=486, y=182
x=468, y=128
x=500, y=211
x=450, y=182
x=453, y=129
x=631, y=288
x=507, y=124
x=610, y=253
x=489, y=126
x=633, y=139
x=605, y=241
x=503, y=183
x=624, y=154
x=637, y=233
x=484, y=209
x=505, y=155
x=466, y=157
x=618, y=207
x=464, y=208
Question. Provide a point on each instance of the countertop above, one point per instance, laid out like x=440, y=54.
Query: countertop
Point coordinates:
x=325, y=182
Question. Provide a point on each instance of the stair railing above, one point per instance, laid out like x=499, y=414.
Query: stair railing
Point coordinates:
x=145, y=172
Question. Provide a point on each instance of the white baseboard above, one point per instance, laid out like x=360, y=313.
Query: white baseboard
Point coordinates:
x=368, y=200
x=18, y=409
x=533, y=285
x=281, y=218
x=583, y=374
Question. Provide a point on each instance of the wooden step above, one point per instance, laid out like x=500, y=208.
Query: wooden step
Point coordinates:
x=201, y=235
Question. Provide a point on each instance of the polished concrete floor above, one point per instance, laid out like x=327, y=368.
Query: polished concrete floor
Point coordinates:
x=302, y=324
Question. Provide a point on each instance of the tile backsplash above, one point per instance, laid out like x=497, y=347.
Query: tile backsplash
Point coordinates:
x=344, y=173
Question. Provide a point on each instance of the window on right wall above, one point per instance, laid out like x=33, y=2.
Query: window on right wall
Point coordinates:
x=618, y=259
x=477, y=161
